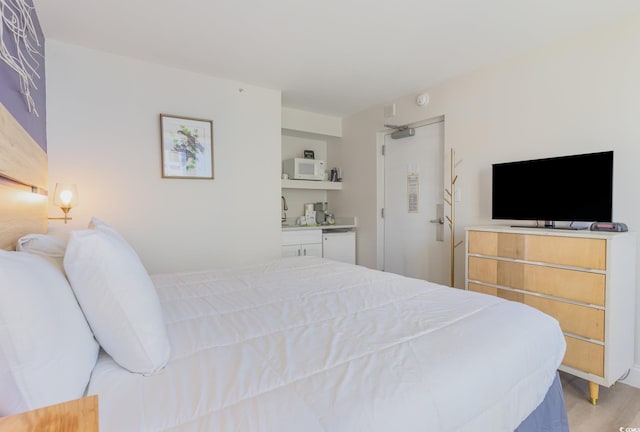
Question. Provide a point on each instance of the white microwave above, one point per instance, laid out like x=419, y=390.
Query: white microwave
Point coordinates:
x=303, y=169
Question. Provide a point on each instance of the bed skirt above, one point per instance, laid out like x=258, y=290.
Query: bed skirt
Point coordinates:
x=551, y=415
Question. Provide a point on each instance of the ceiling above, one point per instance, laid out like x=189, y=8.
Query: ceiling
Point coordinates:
x=334, y=57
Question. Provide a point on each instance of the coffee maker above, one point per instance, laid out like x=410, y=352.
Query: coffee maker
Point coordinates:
x=321, y=212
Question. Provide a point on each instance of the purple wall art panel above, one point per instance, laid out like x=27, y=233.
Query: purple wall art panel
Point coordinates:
x=10, y=95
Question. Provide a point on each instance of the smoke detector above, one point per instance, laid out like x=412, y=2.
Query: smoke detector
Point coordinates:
x=422, y=99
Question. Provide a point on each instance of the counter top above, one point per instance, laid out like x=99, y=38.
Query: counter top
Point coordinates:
x=341, y=223
x=315, y=227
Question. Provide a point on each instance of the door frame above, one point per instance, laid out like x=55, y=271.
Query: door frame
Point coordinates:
x=380, y=139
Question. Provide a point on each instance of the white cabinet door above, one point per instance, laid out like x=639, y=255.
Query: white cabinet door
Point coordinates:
x=290, y=251
x=301, y=243
x=312, y=249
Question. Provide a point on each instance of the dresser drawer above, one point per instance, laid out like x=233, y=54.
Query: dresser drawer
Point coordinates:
x=580, y=320
x=584, y=356
x=570, y=251
x=581, y=286
x=483, y=243
x=484, y=289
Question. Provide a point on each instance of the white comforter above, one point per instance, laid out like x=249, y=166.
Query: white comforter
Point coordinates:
x=306, y=344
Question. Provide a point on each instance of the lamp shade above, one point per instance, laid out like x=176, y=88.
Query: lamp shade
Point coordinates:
x=65, y=195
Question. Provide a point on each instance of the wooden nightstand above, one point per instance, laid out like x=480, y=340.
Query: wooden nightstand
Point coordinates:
x=80, y=415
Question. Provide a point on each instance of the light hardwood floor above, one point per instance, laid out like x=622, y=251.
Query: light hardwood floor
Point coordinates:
x=618, y=407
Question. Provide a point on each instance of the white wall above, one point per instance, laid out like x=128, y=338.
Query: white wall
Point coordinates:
x=578, y=96
x=295, y=143
x=104, y=135
x=306, y=121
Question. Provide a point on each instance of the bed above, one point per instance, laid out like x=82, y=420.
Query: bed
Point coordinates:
x=297, y=344
x=310, y=344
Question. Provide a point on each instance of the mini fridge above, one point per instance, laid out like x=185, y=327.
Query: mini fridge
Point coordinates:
x=339, y=246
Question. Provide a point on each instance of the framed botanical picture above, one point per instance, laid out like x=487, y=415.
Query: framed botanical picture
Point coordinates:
x=187, y=147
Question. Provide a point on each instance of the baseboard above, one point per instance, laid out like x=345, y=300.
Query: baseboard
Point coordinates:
x=633, y=379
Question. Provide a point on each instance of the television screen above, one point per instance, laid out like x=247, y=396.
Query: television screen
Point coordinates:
x=568, y=188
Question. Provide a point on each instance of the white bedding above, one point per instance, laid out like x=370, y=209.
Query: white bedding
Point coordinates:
x=306, y=344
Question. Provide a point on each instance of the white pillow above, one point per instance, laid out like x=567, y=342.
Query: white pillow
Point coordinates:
x=47, y=351
x=48, y=246
x=98, y=224
x=118, y=299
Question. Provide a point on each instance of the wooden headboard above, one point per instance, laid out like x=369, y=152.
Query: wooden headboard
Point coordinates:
x=23, y=182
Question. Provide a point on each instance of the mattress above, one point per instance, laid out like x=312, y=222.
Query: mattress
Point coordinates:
x=307, y=344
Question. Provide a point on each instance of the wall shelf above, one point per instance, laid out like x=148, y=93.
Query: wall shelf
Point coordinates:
x=310, y=184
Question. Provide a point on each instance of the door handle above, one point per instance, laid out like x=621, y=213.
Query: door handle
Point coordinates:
x=437, y=221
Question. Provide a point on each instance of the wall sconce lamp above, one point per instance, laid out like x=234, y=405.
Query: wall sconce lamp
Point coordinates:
x=65, y=197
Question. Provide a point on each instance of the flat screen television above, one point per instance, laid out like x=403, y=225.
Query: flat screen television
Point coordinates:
x=568, y=188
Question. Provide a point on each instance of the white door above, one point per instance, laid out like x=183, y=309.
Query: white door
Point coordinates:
x=415, y=240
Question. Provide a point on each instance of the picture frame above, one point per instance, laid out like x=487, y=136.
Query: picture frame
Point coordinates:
x=186, y=147
x=309, y=154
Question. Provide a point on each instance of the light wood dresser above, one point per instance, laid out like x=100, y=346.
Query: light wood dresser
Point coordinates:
x=584, y=279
